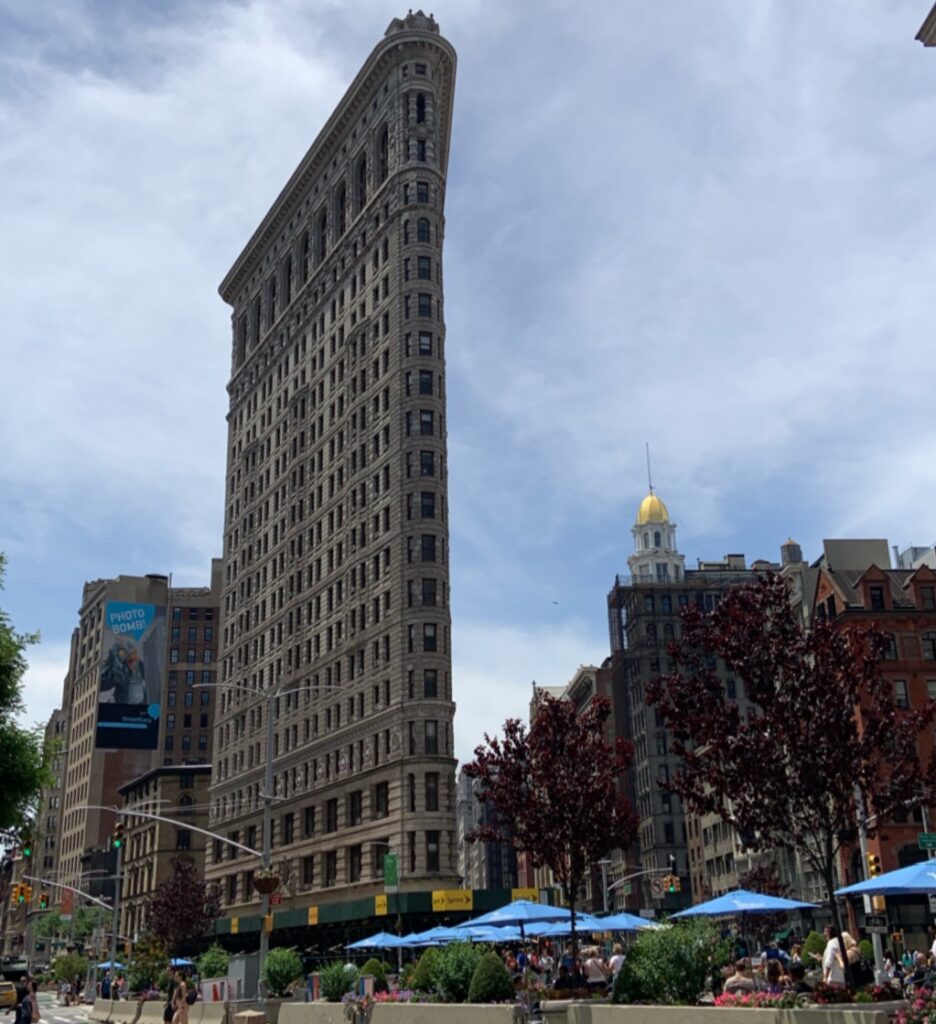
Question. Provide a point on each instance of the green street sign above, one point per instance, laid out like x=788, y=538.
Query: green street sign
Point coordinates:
x=628, y=888
x=391, y=872
x=927, y=840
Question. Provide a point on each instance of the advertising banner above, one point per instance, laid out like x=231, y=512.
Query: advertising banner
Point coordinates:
x=132, y=671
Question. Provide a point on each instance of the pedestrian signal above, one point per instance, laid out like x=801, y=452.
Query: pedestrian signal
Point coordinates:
x=874, y=865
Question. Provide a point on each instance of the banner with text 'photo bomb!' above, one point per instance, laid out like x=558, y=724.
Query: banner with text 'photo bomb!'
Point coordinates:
x=132, y=670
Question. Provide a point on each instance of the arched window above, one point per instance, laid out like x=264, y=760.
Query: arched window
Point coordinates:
x=186, y=803
x=890, y=647
x=420, y=107
x=422, y=230
x=657, y=538
x=383, y=160
x=341, y=210
x=361, y=179
x=929, y=646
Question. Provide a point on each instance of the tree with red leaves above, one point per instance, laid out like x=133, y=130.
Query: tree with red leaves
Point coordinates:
x=554, y=792
x=824, y=731
x=182, y=910
x=764, y=878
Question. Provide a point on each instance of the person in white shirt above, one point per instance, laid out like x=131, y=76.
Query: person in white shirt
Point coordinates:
x=833, y=969
x=616, y=962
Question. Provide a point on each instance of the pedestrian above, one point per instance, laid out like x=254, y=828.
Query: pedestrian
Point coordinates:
x=616, y=962
x=833, y=967
x=182, y=1000
x=740, y=981
x=546, y=966
x=169, y=1008
x=106, y=986
x=596, y=970
x=773, y=977
x=798, y=977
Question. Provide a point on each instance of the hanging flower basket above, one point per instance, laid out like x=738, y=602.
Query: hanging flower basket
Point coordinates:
x=266, y=881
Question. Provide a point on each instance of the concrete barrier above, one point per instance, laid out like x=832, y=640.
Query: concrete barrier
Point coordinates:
x=126, y=1011
x=152, y=1011
x=561, y=1012
x=313, y=1013
x=443, y=1013
x=101, y=1011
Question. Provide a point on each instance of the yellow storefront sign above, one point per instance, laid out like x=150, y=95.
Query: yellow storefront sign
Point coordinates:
x=233, y=925
x=525, y=894
x=313, y=915
x=380, y=906
x=452, y=899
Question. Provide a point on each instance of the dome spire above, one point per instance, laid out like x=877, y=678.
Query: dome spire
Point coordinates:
x=649, y=474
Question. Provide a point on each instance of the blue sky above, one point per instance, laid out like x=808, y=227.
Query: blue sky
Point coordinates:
x=709, y=226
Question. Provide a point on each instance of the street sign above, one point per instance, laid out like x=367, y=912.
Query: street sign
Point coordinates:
x=932, y=903
x=876, y=920
x=391, y=872
x=628, y=888
x=656, y=886
x=276, y=898
x=927, y=840
x=876, y=929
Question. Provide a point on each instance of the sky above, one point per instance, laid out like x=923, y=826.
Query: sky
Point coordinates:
x=704, y=226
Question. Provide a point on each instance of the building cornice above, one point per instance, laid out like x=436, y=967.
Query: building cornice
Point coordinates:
x=927, y=33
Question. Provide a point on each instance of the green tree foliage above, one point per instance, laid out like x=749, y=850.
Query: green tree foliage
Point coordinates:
x=377, y=969
x=425, y=977
x=813, y=943
x=213, y=963
x=672, y=965
x=282, y=968
x=491, y=981
x=149, y=961
x=867, y=950
x=69, y=966
x=25, y=762
x=335, y=980
x=182, y=910
x=83, y=923
x=457, y=964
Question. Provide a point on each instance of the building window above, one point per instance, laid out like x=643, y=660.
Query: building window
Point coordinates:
x=308, y=870
x=424, y=268
x=877, y=598
x=287, y=828
x=421, y=150
x=308, y=822
x=381, y=800
x=427, y=505
x=426, y=422
x=928, y=597
x=427, y=464
x=175, y=633
x=183, y=839
x=901, y=697
x=172, y=698
x=890, y=647
x=170, y=722
x=648, y=602
x=428, y=547
x=168, y=743
x=429, y=593
x=192, y=634
x=331, y=868
x=432, y=850
x=432, y=737
x=187, y=781
x=430, y=683
x=425, y=382
x=205, y=698
x=666, y=603
x=429, y=636
x=420, y=107
x=331, y=816
x=232, y=888
x=186, y=742
x=174, y=655
x=423, y=231
x=422, y=191
x=355, y=861
x=929, y=646
x=424, y=306
x=425, y=343
x=432, y=791
x=383, y=159
x=190, y=655
x=176, y=614
x=355, y=807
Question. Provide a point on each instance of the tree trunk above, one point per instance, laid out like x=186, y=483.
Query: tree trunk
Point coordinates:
x=829, y=873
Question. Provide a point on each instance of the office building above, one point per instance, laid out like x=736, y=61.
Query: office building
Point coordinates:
x=336, y=580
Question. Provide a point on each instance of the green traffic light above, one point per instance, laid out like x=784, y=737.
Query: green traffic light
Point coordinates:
x=27, y=851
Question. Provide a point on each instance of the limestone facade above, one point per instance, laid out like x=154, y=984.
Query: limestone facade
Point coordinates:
x=336, y=581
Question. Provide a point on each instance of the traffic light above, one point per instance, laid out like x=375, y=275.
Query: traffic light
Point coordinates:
x=117, y=836
x=27, y=845
x=874, y=865
x=16, y=895
x=43, y=901
x=672, y=883
x=27, y=890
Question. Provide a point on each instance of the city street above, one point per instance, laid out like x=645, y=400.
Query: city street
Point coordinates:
x=52, y=1013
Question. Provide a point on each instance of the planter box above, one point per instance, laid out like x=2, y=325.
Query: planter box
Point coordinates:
x=561, y=1012
x=401, y=1013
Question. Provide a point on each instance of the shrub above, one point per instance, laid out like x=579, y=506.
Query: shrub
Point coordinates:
x=457, y=964
x=425, y=976
x=814, y=943
x=375, y=967
x=867, y=950
x=335, y=980
x=69, y=966
x=671, y=965
x=491, y=981
x=282, y=968
x=213, y=963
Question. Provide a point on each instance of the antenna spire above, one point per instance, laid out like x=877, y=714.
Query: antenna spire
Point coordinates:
x=649, y=474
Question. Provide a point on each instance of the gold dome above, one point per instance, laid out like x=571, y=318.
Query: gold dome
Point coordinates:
x=652, y=510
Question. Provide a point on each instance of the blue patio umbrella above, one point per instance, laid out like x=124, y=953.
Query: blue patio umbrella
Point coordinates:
x=520, y=912
x=624, y=922
x=107, y=965
x=917, y=879
x=488, y=933
x=584, y=925
x=382, y=940
x=180, y=961
x=437, y=936
x=741, y=902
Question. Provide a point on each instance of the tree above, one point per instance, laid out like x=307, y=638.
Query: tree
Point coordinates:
x=69, y=966
x=553, y=791
x=150, y=958
x=824, y=733
x=25, y=762
x=764, y=878
x=83, y=923
x=182, y=909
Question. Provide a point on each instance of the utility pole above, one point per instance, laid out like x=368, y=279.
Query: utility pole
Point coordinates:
x=117, y=839
x=604, y=864
x=863, y=840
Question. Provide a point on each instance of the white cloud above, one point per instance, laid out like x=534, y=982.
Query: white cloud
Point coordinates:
x=42, y=685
